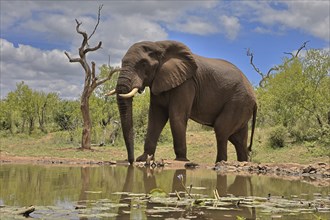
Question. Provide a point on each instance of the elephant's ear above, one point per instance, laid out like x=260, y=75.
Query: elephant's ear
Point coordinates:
x=176, y=66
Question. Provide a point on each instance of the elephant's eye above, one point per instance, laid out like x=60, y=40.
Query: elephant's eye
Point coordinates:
x=144, y=63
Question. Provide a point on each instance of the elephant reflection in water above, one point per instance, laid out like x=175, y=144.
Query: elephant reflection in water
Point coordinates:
x=128, y=187
x=240, y=187
x=149, y=182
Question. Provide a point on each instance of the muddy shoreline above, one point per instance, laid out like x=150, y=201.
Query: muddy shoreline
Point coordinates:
x=317, y=173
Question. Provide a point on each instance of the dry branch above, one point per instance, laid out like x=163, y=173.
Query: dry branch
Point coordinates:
x=110, y=74
x=98, y=21
x=26, y=211
x=264, y=77
x=93, y=48
x=91, y=80
x=298, y=51
x=72, y=60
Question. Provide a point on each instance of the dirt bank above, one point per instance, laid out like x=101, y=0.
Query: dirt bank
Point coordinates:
x=316, y=174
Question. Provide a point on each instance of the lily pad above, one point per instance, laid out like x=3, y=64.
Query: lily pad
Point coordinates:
x=220, y=208
x=93, y=192
x=120, y=193
x=115, y=205
x=156, y=210
x=157, y=192
x=98, y=215
x=197, y=187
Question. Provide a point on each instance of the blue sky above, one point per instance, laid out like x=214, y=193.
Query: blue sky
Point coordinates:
x=35, y=34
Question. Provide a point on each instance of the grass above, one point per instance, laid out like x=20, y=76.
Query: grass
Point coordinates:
x=51, y=145
x=201, y=149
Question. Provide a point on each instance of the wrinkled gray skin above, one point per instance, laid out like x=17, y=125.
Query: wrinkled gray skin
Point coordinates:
x=183, y=85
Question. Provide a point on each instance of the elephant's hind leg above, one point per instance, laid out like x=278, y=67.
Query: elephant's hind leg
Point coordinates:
x=221, y=134
x=227, y=123
x=239, y=140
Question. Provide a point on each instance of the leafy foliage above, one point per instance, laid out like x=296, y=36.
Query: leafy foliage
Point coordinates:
x=277, y=137
x=298, y=97
x=140, y=115
x=23, y=108
x=140, y=119
x=66, y=115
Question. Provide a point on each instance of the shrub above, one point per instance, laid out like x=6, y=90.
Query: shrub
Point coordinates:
x=277, y=137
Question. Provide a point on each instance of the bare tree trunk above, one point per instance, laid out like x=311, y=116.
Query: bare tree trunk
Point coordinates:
x=42, y=118
x=11, y=125
x=31, y=125
x=91, y=80
x=23, y=125
x=87, y=127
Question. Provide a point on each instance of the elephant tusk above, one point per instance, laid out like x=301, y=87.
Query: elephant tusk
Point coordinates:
x=130, y=94
x=111, y=92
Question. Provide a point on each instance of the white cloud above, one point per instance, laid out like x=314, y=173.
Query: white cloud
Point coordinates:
x=263, y=30
x=311, y=17
x=54, y=25
x=194, y=25
x=50, y=26
x=230, y=25
x=47, y=71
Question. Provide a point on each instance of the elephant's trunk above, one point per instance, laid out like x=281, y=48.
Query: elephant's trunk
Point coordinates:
x=125, y=110
x=124, y=85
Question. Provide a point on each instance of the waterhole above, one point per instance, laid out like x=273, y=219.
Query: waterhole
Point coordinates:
x=122, y=192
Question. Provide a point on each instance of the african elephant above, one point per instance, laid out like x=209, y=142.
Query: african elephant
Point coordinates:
x=184, y=85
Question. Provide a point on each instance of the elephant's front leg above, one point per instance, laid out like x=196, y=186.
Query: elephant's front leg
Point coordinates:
x=158, y=117
x=181, y=101
x=179, y=114
x=178, y=128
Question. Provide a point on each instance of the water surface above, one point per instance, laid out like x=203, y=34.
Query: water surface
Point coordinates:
x=119, y=192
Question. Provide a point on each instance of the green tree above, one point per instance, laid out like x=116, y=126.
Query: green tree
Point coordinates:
x=67, y=116
x=6, y=116
x=297, y=96
x=25, y=107
x=317, y=72
x=104, y=111
x=140, y=115
x=45, y=106
x=22, y=100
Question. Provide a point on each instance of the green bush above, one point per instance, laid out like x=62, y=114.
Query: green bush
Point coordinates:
x=300, y=132
x=297, y=96
x=325, y=136
x=277, y=137
x=166, y=135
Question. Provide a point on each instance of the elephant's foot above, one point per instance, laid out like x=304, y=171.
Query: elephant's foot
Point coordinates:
x=144, y=157
x=220, y=161
x=243, y=156
x=243, y=160
x=181, y=159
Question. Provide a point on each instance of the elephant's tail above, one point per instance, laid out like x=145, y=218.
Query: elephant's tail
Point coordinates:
x=253, y=126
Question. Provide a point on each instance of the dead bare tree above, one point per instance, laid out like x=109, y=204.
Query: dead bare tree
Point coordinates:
x=264, y=77
x=91, y=80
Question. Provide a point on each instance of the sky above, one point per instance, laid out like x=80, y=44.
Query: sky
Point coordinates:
x=35, y=34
